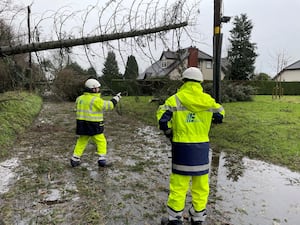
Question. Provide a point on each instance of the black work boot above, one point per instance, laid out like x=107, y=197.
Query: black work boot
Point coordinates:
x=102, y=162
x=75, y=161
x=175, y=222
x=197, y=218
x=166, y=221
x=195, y=222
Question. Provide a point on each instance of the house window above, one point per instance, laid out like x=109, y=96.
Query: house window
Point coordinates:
x=208, y=64
x=164, y=64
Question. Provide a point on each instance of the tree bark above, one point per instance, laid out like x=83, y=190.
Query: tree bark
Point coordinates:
x=34, y=47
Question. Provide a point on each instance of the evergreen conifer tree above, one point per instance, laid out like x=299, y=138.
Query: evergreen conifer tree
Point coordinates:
x=131, y=70
x=110, y=70
x=241, y=55
x=130, y=76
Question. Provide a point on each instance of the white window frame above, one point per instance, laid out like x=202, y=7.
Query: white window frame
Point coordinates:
x=208, y=64
x=164, y=64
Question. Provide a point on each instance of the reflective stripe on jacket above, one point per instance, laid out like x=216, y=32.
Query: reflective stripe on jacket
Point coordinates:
x=189, y=114
x=190, y=158
x=90, y=107
x=89, y=113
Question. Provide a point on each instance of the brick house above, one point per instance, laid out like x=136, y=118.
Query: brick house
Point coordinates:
x=171, y=64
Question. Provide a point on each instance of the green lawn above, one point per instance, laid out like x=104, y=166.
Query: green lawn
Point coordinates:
x=267, y=129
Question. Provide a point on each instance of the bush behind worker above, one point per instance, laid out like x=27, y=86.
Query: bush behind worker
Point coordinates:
x=90, y=123
x=185, y=118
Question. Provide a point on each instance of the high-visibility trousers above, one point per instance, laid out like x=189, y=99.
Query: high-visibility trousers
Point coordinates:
x=83, y=140
x=179, y=186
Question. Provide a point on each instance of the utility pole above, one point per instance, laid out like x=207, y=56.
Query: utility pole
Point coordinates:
x=29, y=70
x=217, y=49
x=29, y=33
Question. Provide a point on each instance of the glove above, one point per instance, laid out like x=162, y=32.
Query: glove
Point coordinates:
x=117, y=97
x=168, y=133
x=217, y=118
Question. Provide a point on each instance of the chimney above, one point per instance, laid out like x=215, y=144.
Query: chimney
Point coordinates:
x=193, y=57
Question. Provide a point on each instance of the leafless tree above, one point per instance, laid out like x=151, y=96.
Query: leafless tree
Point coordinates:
x=282, y=61
x=279, y=60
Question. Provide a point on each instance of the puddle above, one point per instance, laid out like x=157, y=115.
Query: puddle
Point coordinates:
x=7, y=174
x=253, y=192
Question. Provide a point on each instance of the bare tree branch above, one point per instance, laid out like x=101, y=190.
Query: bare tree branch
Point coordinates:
x=109, y=20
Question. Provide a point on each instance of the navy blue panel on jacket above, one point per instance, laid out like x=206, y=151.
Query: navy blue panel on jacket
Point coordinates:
x=190, y=158
x=165, y=118
x=89, y=128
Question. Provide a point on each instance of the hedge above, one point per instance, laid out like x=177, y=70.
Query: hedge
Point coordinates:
x=152, y=87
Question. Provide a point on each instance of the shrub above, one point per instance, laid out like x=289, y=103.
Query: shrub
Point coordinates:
x=235, y=92
x=68, y=84
x=232, y=91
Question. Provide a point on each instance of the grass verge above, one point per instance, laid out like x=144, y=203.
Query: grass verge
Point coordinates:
x=17, y=111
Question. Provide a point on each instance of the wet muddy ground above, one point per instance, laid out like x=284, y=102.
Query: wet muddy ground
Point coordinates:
x=38, y=186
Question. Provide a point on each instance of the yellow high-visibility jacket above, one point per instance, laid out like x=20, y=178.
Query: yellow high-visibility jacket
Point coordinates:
x=189, y=114
x=89, y=113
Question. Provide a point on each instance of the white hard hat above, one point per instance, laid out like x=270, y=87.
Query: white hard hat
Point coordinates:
x=193, y=73
x=92, y=83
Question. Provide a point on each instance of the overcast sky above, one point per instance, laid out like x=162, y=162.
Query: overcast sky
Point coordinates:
x=276, y=27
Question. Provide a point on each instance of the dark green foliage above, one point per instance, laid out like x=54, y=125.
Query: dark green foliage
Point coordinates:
x=110, y=71
x=241, y=55
x=14, y=72
x=267, y=87
x=132, y=69
x=232, y=91
x=91, y=72
x=159, y=88
x=252, y=87
x=69, y=84
x=17, y=110
x=76, y=68
x=166, y=88
x=130, y=76
x=261, y=76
